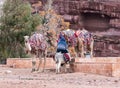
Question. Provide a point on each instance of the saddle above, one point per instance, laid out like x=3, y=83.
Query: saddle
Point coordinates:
x=66, y=57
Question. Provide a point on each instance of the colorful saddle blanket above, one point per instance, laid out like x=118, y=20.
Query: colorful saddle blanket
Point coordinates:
x=37, y=41
x=84, y=35
x=66, y=57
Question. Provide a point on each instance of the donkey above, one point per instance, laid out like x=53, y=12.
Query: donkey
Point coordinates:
x=60, y=61
x=36, y=46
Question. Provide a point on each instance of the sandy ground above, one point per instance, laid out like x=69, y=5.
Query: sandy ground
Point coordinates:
x=23, y=78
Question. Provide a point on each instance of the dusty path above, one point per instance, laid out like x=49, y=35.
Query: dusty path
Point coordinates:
x=23, y=78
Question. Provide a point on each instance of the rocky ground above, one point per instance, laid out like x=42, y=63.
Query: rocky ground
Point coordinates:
x=23, y=78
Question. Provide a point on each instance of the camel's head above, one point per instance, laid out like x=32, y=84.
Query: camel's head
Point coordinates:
x=26, y=38
x=27, y=43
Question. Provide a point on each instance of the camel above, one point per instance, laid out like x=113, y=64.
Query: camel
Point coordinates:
x=68, y=35
x=81, y=40
x=36, y=46
x=87, y=42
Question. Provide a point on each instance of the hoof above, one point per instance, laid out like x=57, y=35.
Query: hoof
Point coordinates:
x=57, y=73
x=39, y=71
x=33, y=70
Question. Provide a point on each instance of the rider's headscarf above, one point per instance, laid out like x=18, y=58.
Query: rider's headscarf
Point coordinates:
x=61, y=38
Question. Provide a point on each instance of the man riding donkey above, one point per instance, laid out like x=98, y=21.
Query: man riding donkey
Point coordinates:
x=62, y=47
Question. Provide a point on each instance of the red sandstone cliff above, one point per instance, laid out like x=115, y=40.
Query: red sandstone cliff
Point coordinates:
x=101, y=17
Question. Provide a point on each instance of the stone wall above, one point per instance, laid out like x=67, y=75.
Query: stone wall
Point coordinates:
x=27, y=63
x=107, y=66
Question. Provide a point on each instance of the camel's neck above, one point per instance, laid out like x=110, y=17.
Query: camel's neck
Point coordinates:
x=27, y=46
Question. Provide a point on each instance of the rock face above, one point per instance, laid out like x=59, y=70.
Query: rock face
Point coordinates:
x=101, y=17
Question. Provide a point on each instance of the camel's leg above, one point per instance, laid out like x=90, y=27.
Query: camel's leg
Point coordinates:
x=91, y=48
x=40, y=61
x=65, y=69
x=33, y=64
x=45, y=54
x=82, y=49
x=71, y=66
x=44, y=63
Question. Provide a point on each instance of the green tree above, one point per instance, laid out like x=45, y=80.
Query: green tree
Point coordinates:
x=15, y=22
